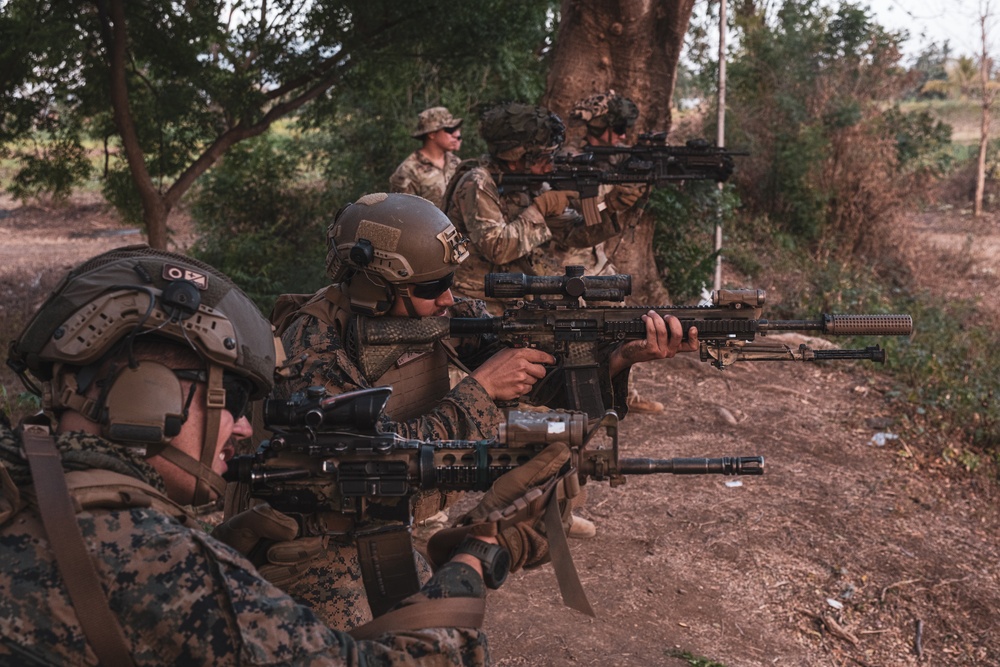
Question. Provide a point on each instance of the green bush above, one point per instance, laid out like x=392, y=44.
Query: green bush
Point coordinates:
x=923, y=143
x=684, y=235
x=261, y=222
x=60, y=165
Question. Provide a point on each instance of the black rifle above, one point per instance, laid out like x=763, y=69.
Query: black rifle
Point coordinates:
x=649, y=162
x=327, y=455
x=557, y=321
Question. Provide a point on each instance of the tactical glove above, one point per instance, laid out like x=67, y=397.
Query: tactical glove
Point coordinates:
x=553, y=202
x=525, y=542
x=267, y=538
x=624, y=196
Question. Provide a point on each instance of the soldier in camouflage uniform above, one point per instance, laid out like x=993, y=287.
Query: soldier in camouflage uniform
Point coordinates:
x=396, y=255
x=607, y=118
x=514, y=228
x=427, y=170
x=391, y=255
x=146, y=360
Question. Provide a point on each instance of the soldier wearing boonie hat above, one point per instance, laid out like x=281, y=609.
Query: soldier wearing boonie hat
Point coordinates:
x=427, y=170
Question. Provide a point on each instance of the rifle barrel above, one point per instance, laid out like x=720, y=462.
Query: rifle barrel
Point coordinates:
x=727, y=465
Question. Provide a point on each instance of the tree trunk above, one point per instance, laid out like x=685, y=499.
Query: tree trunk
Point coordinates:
x=632, y=47
x=281, y=101
x=987, y=99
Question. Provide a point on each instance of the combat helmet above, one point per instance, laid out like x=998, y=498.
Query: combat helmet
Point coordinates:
x=384, y=245
x=83, y=337
x=604, y=110
x=517, y=130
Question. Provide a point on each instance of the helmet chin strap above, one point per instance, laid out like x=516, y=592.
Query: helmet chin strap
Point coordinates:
x=206, y=479
x=404, y=294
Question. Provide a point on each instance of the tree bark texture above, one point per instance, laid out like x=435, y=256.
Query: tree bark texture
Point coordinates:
x=632, y=47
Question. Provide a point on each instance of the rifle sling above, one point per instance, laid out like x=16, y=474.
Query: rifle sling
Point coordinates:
x=572, y=591
x=424, y=613
x=99, y=623
x=388, y=569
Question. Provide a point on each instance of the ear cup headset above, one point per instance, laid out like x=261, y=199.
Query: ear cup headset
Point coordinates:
x=85, y=334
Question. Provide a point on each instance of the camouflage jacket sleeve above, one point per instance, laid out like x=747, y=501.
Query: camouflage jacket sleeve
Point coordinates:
x=184, y=598
x=476, y=202
x=317, y=357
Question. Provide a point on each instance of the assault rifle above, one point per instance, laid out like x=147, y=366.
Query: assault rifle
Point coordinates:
x=327, y=457
x=327, y=454
x=557, y=321
x=650, y=162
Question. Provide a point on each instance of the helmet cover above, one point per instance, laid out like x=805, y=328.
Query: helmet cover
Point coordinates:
x=516, y=130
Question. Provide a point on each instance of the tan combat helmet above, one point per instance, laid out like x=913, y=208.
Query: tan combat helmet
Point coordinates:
x=517, y=130
x=384, y=245
x=434, y=119
x=604, y=110
x=83, y=336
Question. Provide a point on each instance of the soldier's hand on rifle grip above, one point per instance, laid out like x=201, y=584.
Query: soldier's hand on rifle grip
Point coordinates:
x=512, y=372
x=624, y=196
x=664, y=339
x=553, y=202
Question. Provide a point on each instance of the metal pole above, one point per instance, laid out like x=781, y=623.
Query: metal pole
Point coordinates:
x=720, y=138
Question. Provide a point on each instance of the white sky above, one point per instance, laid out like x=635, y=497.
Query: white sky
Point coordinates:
x=937, y=20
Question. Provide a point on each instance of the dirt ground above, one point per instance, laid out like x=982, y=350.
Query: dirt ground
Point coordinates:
x=850, y=550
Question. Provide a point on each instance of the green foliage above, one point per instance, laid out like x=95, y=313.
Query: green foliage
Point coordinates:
x=201, y=77
x=923, y=143
x=54, y=169
x=929, y=65
x=262, y=222
x=118, y=188
x=809, y=82
x=15, y=406
x=476, y=55
x=684, y=239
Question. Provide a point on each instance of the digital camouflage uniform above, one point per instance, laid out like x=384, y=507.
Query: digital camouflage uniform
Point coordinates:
x=508, y=234
x=417, y=175
x=182, y=597
x=317, y=357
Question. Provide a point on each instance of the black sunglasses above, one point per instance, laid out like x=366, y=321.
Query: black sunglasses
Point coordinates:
x=451, y=130
x=620, y=129
x=237, y=390
x=432, y=289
